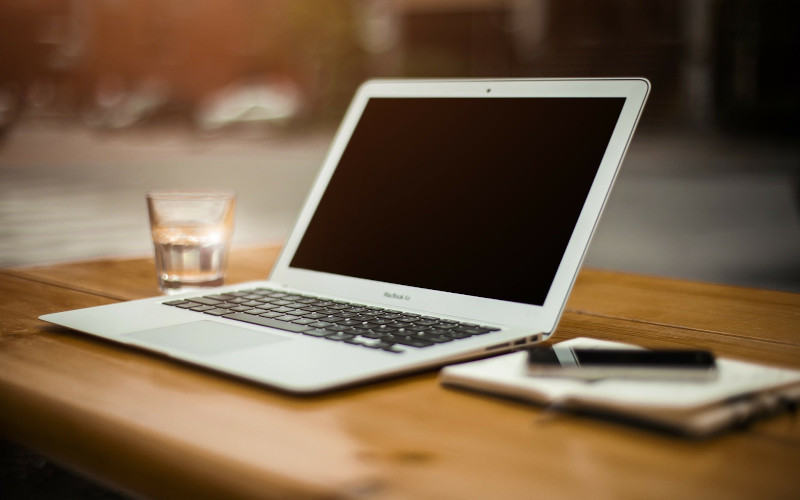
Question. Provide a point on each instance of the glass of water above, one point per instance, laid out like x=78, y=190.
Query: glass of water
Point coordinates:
x=192, y=233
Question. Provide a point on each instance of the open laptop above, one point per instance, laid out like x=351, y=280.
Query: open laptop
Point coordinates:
x=448, y=221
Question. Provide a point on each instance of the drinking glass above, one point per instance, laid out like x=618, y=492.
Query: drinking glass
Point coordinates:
x=192, y=233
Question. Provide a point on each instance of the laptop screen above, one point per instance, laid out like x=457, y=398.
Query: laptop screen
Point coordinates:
x=464, y=195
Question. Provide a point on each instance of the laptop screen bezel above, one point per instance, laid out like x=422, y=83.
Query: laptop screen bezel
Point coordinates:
x=541, y=318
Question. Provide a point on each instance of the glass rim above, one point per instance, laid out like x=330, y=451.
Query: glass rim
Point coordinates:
x=190, y=194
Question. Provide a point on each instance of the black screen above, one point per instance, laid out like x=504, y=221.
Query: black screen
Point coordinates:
x=471, y=196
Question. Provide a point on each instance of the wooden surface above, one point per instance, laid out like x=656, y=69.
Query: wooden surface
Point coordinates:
x=162, y=429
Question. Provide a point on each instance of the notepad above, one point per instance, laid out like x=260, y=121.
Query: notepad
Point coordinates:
x=741, y=393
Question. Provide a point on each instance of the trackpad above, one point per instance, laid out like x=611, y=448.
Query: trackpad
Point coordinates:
x=204, y=337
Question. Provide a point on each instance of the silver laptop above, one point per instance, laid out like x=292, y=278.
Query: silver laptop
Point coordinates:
x=448, y=221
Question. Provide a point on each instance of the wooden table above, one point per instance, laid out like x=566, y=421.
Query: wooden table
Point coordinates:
x=163, y=429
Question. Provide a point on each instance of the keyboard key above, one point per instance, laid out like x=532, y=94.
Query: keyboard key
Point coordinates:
x=205, y=301
x=269, y=322
x=348, y=322
x=303, y=321
x=458, y=335
x=372, y=334
x=318, y=332
x=217, y=312
x=438, y=331
x=378, y=344
x=412, y=341
x=220, y=297
x=282, y=309
x=337, y=328
x=174, y=302
x=426, y=322
x=321, y=324
x=339, y=336
x=253, y=303
x=436, y=339
x=474, y=330
x=239, y=308
x=202, y=308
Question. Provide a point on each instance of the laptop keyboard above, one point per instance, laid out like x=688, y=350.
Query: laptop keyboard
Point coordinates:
x=356, y=324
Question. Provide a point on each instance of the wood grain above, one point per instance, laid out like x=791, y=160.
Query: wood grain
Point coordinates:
x=128, y=279
x=735, y=311
x=163, y=429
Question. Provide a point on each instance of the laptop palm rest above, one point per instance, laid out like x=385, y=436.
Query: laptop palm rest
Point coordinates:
x=203, y=338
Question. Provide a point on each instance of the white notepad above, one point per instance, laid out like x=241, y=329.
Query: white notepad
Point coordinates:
x=742, y=391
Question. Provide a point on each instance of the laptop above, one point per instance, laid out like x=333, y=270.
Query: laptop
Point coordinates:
x=448, y=221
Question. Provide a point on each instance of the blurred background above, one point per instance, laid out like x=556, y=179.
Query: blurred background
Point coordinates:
x=102, y=100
